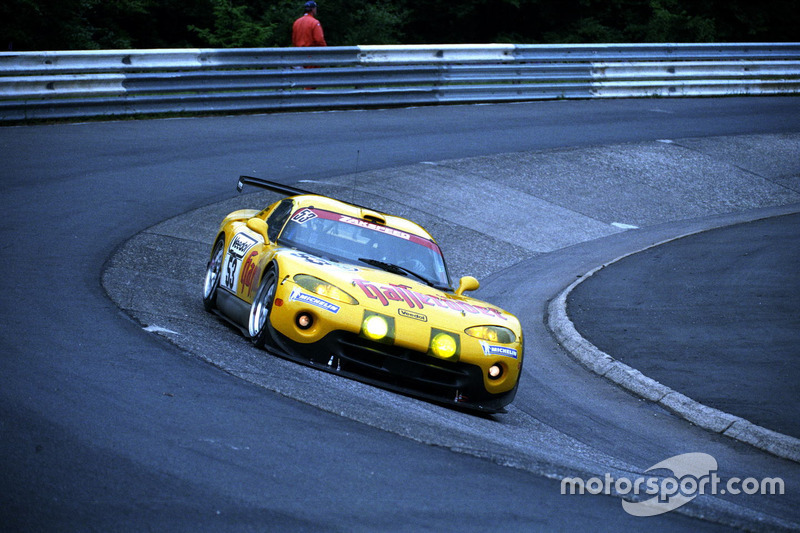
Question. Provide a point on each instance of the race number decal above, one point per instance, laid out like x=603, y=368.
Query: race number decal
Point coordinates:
x=237, y=250
x=301, y=217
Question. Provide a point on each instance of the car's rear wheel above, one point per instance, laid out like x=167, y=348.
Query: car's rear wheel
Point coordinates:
x=258, y=324
x=213, y=272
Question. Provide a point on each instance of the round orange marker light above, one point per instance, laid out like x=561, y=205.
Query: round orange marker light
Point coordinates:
x=304, y=321
x=495, y=371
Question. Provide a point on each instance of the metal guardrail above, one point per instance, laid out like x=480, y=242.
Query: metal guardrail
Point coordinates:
x=46, y=85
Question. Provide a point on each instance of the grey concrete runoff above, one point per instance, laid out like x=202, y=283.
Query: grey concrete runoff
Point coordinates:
x=631, y=379
x=551, y=200
x=526, y=224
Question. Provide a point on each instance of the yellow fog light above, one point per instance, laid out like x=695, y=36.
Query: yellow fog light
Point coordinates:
x=323, y=288
x=444, y=345
x=495, y=371
x=492, y=334
x=377, y=327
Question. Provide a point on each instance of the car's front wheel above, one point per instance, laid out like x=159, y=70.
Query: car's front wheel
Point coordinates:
x=258, y=324
x=213, y=271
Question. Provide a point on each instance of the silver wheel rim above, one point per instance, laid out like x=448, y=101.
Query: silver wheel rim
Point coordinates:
x=212, y=272
x=260, y=309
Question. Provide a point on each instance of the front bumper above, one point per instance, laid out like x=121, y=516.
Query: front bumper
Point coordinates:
x=398, y=369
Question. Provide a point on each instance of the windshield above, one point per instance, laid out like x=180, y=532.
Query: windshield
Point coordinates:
x=353, y=240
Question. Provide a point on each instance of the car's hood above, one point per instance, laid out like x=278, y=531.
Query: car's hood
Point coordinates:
x=381, y=290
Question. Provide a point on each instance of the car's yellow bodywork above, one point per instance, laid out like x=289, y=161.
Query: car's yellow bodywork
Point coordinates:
x=394, y=318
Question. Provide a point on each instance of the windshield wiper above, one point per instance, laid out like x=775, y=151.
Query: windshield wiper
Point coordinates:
x=397, y=269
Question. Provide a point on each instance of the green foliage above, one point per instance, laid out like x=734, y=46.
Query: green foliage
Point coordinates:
x=97, y=24
x=370, y=23
x=235, y=27
x=671, y=22
x=104, y=24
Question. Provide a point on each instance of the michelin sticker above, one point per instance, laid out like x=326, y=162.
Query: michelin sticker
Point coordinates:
x=490, y=349
x=299, y=296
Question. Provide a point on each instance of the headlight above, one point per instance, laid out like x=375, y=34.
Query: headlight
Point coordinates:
x=492, y=334
x=375, y=327
x=323, y=288
x=378, y=328
x=444, y=345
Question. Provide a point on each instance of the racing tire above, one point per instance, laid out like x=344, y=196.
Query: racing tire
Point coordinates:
x=213, y=275
x=258, y=323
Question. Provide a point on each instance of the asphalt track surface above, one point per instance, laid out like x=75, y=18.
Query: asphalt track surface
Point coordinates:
x=714, y=315
x=106, y=426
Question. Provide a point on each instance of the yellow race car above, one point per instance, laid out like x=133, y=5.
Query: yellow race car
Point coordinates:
x=362, y=294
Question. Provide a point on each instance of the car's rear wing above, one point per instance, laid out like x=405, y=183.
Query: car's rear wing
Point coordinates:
x=273, y=186
x=288, y=190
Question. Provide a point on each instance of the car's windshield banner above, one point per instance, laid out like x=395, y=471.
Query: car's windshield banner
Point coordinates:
x=306, y=214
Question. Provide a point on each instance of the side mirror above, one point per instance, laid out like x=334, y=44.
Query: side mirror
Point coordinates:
x=467, y=283
x=259, y=226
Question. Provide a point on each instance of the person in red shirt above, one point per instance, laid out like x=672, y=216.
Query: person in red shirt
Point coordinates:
x=307, y=31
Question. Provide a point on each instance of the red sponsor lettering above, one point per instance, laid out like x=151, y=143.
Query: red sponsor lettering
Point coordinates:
x=413, y=299
x=409, y=296
x=249, y=271
x=371, y=291
x=490, y=312
x=391, y=294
